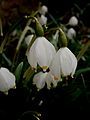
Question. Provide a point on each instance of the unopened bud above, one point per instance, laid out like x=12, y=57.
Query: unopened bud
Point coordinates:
x=38, y=28
x=62, y=38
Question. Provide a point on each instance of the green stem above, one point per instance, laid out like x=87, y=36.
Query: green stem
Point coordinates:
x=83, y=50
x=27, y=75
x=1, y=29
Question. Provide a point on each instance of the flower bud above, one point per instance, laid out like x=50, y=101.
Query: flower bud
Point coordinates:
x=43, y=10
x=62, y=38
x=73, y=21
x=38, y=28
x=71, y=33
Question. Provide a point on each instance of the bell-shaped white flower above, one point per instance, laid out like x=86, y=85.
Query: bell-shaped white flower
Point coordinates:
x=41, y=52
x=43, y=10
x=7, y=80
x=71, y=33
x=63, y=64
x=40, y=79
x=43, y=20
x=50, y=81
x=73, y=21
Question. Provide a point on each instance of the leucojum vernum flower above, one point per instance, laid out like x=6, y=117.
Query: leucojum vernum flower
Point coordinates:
x=7, y=80
x=61, y=63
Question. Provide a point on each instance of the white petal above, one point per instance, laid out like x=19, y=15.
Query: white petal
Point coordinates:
x=68, y=61
x=42, y=20
x=73, y=21
x=43, y=10
x=55, y=67
x=50, y=81
x=45, y=52
x=31, y=57
x=71, y=33
x=39, y=80
x=41, y=52
x=63, y=64
x=7, y=80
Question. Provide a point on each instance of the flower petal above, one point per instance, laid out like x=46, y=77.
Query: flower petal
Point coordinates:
x=55, y=67
x=39, y=80
x=50, y=81
x=31, y=56
x=7, y=80
x=41, y=52
x=45, y=52
x=68, y=61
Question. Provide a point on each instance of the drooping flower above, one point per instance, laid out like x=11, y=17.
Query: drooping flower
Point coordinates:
x=41, y=52
x=71, y=33
x=7, y=80
x=63, y=64
x=73, y=21
x=43, y=10
x=42, y=19
x=40, y=79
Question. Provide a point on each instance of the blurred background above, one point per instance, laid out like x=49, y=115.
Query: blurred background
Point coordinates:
x=69, y=101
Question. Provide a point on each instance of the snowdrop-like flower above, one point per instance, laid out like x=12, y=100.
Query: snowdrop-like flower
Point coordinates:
x=43, y=10
x=41, y=52
x=73, y=21
x=28, y=39
x=63, y=64
x=71, y=33
x=40, y=79
x=7, y=80
x=42, y=20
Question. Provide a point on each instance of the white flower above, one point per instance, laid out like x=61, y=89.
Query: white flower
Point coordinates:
x=73, y=21
x=28, y=39
x=43, y=20
x=43, y=10
x=63, y=64
x=71, y=33
x=40, y=79
x=7, y=80
x=41, y=52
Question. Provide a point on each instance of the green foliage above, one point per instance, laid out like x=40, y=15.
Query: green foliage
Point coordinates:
x=18, y=72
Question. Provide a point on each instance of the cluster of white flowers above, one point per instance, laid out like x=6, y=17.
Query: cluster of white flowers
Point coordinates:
x=71, y=33
x=60, y=64
x=7, y=80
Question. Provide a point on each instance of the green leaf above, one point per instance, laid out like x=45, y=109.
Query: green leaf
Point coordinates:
x=78, y=72
x=76, y=94
x=18, y=71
